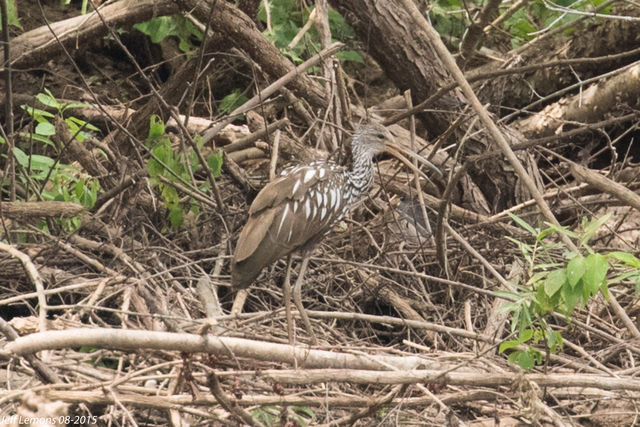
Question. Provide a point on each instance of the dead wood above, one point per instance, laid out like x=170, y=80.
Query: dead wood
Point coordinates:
x=605, y=45
x=33, y=210
x=399, y=337
x=605, y=185
x=38, y=46
x=614, y=95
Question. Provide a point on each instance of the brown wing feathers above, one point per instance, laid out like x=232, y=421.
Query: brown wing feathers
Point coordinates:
x=287, y=214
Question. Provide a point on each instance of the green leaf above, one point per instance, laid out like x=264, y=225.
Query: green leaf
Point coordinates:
x=42, y=163
x=552, y=228
x=215, y=163
x=523, y=224
x=156, y=127
x=596, y=271
x=575, y=270
x=508, y=345
x=21, y=157
x=303, y=410
x=36, y=137
x=605, y=290
x=522, y=358
x=624, y=277
x=45, y=129
x=12, y=14
x=544, y=303
x=350, y=55
x=37, y=112
x=164, y=26
x=571, y=296
x=163, y=153
x=554, y=341
x=48, y=99
x=175, y=216
x=81, y=123
x=555, y=280
x=636, y=282
x=72, y=105
x=85, y=194
x=339, y=28
x=157, y=28
x=625, y=258
x=525, y=335
x=232, y=101
x=592, y=227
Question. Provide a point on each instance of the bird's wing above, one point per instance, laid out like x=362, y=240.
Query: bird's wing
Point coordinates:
x=293, y=211
x=253, y=233
x=304, y=221
x=292, y=185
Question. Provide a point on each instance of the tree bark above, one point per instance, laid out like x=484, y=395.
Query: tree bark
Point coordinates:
x=390, y=37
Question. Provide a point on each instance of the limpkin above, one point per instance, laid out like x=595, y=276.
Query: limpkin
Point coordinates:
x=296, y=210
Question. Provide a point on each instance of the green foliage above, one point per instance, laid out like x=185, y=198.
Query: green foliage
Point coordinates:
x=559, y=281
x=58, y=182
x=83, y=7
x=448, y=18
x=288, y=17
x=232, y=101
x=541, y=15
x=64, y=182
x=45, y=129
x=12, y=14
x=176, y=167
x=166, y=26
x=54, y=180
x=273, y=415
x=451, y=20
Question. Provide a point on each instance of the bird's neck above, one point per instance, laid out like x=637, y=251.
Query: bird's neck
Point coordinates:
x=361, y=172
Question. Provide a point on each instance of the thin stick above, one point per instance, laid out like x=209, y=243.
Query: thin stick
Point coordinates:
x=483, y=115
x=33, y=274
x=223, y=400
x=271, y=89
x=274, y=156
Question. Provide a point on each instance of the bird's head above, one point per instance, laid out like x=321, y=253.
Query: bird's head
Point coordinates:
x=373, y=139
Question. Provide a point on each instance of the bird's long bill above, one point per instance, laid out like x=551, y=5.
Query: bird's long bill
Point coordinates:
x=399, y=152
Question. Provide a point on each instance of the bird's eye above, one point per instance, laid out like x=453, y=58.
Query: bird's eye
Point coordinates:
x=380, y=136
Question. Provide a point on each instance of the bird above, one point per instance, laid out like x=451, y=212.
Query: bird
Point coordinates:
x=295, y=211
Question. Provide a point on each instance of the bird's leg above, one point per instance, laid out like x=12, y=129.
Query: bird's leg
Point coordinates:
x=286, y=290
x=238, y=301
x=297, y=299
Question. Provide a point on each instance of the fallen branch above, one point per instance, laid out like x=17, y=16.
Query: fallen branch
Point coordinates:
x=605, y=184
x=119, y=339
x=30, y=210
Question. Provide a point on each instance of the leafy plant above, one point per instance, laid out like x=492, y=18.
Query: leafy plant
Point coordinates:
x=166, y=26
x=175, y=167
x=51, y=179
x=559, y=281
x=273, y=415
x=45, y=128
x=83, y=6
x=288, y=17
x=12, y=14
x=451, y=17
x=232, y=101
